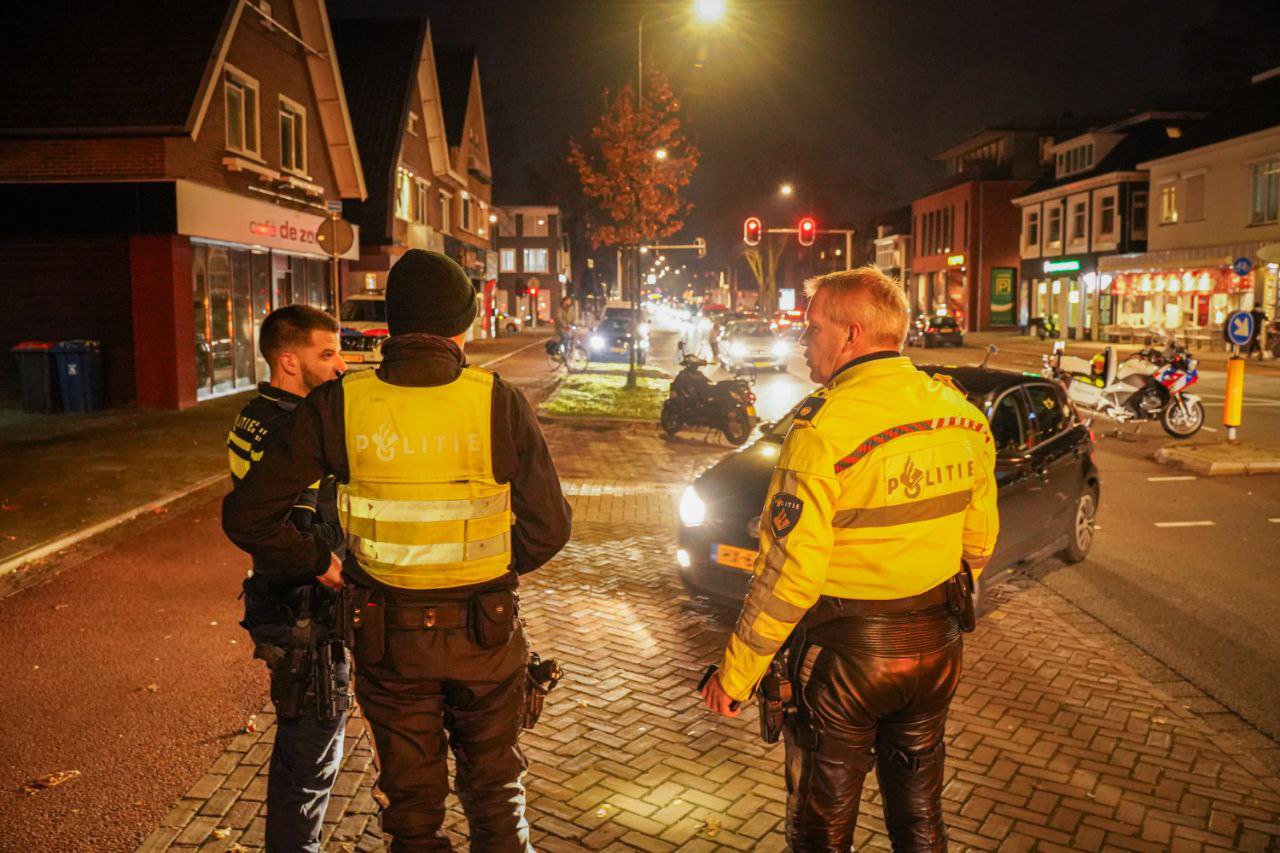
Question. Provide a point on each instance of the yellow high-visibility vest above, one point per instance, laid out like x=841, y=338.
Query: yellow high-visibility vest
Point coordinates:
x=422, y=509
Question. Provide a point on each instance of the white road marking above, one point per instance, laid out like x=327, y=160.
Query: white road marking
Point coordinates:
x=1274, y=520
x=1185, y=524
x=1209, y=429
x=1169, y=479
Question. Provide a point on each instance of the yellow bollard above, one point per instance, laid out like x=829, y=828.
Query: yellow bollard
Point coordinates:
x=1233, y=406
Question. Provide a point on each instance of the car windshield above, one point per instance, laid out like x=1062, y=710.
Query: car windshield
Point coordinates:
x=364, y=310
x=945, y=322
x=752, y=329
x=615, y=325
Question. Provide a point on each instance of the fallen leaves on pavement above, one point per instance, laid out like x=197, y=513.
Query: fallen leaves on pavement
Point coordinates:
x=52, y=780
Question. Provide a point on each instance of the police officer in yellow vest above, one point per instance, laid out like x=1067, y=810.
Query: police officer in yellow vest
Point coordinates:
x=447, y=493
x=882, y=506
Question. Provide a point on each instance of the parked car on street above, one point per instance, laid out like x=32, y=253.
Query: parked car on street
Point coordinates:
x=751, y=345
x=363, y=318
x=1045, y=472
x=930, y=331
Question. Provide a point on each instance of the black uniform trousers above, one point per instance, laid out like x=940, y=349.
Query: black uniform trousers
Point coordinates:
x=874, y=692
x=433, y=688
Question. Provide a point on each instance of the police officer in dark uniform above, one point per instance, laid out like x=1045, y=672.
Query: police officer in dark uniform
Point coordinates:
x=301, y=346
x=447, y=494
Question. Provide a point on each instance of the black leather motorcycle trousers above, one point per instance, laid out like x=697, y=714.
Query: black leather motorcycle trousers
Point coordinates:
x=873, y=692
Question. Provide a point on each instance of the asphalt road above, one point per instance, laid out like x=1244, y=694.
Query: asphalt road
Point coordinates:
x=1182, y=567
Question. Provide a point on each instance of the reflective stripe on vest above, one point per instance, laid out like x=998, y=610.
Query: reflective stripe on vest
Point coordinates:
x=421, y=509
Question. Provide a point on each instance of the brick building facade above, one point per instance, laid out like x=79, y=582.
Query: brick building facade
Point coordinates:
x=162, y=176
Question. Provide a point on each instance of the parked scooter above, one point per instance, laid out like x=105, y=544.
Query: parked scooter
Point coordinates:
x=696, y=401
x=1131, y=390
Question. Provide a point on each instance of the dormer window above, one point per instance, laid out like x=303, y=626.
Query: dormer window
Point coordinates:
x=1076, y=159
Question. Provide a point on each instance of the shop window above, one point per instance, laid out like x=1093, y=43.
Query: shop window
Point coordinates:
x=241, y=97
x=1193, y=198
x=293, y=136
x=1106, y=217
x=1053, y=230
x=1168, y=203
x=506, y=260
x=1031, y=229
x=1138, y=210
x=535, y=260
x=1265, y=204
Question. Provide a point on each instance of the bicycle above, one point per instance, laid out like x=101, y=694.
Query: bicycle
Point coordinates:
x=566, y=351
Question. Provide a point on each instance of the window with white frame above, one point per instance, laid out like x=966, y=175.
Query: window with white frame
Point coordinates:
x=1031, y=229
x=1168, y=203
x=446, y=203
x=506, y=260
x=1138, y=212
x=1265, y=197
x=536, y=260
x=466, y=212
x=1053, y=227
x=1106, y=217
x=1079, y=220
x=293, y=136
x=420, y=201
x=241, y=98
x=404, y=194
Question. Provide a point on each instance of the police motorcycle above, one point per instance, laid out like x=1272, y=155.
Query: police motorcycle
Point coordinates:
x=1129, y=390
x=696, y=401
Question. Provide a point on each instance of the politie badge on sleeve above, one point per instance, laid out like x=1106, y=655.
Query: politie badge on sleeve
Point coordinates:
x=784, y=513
x=809, y=408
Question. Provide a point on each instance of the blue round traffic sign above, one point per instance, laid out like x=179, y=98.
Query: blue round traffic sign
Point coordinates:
x=1238, y=329
x=1241, y=266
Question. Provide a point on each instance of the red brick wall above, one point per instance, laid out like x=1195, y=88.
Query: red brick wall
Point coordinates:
x=1001, y=227
x=81, y=159
x=61, y=288
x=279, y=65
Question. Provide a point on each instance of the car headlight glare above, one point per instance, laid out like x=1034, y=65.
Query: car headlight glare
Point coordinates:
x=738, y=350
x=683, y=560
x=693, y=510
x=781, y=349
x=597, y=342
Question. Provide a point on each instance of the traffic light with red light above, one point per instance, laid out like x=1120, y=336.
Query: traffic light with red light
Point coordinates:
x=807, y=228
x=533, y=291
x=751, y=231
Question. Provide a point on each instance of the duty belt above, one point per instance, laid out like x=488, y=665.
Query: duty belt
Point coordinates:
x=446, y=616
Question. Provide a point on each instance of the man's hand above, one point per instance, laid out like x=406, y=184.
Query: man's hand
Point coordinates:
x=333, y=577
x=717, y=700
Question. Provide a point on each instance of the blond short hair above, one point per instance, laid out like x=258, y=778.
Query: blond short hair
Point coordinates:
x=868, y=297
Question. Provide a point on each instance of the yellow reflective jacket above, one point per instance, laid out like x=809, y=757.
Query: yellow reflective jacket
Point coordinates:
x=421, y=507
x=885, y=482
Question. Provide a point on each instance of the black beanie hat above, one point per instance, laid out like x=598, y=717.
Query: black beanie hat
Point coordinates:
x=429, y=292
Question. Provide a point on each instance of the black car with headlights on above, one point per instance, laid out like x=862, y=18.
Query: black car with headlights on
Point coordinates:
x=613, y=338
x=1045, y=472
x=933, y=331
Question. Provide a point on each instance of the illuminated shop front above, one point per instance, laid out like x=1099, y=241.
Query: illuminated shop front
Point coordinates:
x=1180, y=299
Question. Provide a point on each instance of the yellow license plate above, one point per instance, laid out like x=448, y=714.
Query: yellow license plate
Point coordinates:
x=734, y=558
x=751, y=411
x=353, y=358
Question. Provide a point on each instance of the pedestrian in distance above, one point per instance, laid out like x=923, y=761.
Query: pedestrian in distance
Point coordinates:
x=447, y=493
x=300, y=345
x=881, y=513
x=1259, y=332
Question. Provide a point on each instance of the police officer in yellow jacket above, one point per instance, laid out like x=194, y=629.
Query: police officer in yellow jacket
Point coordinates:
x=882, y=507
x=447, y=493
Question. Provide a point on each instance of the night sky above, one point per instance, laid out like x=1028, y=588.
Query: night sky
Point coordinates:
x=848, y=99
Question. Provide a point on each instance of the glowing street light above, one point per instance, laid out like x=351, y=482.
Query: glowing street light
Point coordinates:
x=660, y=154
x=786, y=190
x=709, y=10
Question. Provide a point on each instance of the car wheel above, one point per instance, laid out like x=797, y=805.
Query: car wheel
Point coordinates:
x=512, y=327
x=1082, y=526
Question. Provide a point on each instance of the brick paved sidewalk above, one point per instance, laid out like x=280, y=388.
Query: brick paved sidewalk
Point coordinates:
x=1055, y=741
